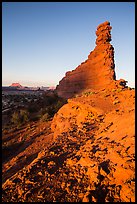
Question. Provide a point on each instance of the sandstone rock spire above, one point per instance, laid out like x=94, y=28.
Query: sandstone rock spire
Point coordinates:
x=103, y=33
x=97, y=72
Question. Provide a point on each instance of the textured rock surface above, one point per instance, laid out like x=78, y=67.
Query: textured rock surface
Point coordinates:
x=97, y=72
x=97, y=122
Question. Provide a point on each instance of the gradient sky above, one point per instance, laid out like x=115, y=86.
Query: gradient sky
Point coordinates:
x=43, y=40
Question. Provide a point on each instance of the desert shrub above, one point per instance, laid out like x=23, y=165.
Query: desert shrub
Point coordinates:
x=47, y=104
x=43, y=110
x=119, y=90
x=15, y=119
x=45, y=117
x=20, y=117
x=24, y=116
x=88, y=93
x=90, y=115
x=51, y=109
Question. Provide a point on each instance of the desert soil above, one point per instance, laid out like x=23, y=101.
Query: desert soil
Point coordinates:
x=86, y=153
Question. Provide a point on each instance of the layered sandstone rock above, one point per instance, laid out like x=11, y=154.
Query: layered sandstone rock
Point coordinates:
x=97, y=72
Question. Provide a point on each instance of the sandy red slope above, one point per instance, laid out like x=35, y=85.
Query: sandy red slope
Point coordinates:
x=92, y=156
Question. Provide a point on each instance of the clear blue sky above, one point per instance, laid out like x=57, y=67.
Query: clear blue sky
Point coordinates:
x=43, y=40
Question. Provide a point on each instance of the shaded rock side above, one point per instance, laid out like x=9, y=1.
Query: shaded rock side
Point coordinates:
x=97, y=72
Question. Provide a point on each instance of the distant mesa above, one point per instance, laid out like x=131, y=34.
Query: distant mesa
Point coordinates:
x=19, y=87
x=97, y=72
x=51, y=87
x=16, y=85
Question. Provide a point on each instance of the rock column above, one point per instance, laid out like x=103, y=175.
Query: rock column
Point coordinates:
x=97, y=72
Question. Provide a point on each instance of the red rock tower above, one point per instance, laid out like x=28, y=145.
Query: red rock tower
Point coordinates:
x=97, y=72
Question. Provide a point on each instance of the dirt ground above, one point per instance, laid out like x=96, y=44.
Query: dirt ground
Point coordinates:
x=86, y=153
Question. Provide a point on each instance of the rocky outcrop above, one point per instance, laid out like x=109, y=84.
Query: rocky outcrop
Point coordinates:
x=104, y=144
x=97, y=72
x=15, y=85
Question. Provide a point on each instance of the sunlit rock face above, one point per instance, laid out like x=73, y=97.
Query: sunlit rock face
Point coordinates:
x=97, y=72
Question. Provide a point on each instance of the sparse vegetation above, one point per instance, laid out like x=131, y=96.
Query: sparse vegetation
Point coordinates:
x=119, y=90
x=20, y=117
x=42, y=108
x=45, y=117
x=90, y=115
x=88, y=93
x=24, y=116
x=15, y=118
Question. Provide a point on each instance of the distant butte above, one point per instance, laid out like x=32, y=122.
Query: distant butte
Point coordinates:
x=15, y=85
x=97, y=72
